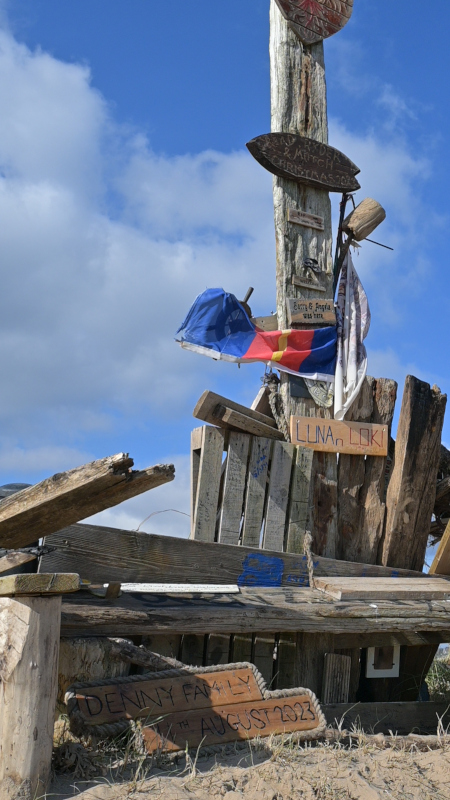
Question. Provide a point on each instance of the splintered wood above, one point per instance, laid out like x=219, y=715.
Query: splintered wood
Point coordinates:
x=186, y=708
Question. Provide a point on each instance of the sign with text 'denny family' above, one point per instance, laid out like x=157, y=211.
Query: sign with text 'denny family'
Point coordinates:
x=330, y=436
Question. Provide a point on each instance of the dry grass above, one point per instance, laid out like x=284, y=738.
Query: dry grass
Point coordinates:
x=438, y=679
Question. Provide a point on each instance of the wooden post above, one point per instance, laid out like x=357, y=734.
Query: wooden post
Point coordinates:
x=29, y=646
x=298, y=94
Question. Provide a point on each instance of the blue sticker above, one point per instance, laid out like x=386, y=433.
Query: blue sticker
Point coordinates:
x=260, y=570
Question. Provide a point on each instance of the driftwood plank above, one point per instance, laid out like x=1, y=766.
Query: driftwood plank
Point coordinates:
x=412, y=487
x=208, y=485
x=294, y=610
x=133, y=557
x=209, y=401
x=230, y=419
x=14, y=560
x=234, y=488
x=383, y=588
x=29, y=584
x=262, y=656
x=299, y=499
x=279, y=484
x=336, y=678
x=256, y=491
x=70, y=496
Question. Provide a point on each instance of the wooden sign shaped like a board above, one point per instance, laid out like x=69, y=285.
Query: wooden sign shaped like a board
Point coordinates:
x=305, y=219
x=330, y=436
x=306, y=161
x=314, y=20
x=204, y=706
x=311, y=312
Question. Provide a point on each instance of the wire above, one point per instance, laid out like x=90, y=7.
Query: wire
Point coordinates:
x=175, y=510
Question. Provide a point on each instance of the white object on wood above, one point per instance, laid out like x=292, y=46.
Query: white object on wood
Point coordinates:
x=29, y=643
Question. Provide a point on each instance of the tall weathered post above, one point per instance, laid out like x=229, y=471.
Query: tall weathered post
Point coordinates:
x=299, y=106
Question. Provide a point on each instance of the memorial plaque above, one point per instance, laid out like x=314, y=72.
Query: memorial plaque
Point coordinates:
x=195, y=707
x=306, y=311
x=307, y=220
x=314, y=20
x=306, y=161
x=330, y=436
x=211, y=726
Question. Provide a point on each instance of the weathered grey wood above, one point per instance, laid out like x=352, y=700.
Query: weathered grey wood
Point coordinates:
x=86, y=659
x=217, y=650
x=203, y=525
x=193, y=648
x=363, y=220
x=412, y=486
x=209, y=401
x=28, y=584
x=261, y=402
x=70, y=496
x=234, y=488
x=242, y=648
x=134, y=557
x=29, y=643
x=123, y=650
x=256, y=490
x=229, y=419
x=384, y=588
x=299, y=499
x=14, y=560
x=269, y=323
x=166, y=646
x=279, y=484
x=298, y=103
x=262, y=655
x=401, y=718
x=336, y=678
x=270, y=610
x=310, y=658
x=308, y=220
x=196, y=450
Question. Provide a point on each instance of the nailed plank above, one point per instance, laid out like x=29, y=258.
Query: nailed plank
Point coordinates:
x=133, y=557
x=304, y=311
x=217, y=650
x=210, y=400
x=296, y=610
x=193, y=649
x=256, y=490
x=279, y=483
x=384, y=588
x=229, y=723
x=336, y=678
x=269, y=323
x=166, y=646
x=308, y=220
x=14, y=560
x=299, y=499
x=298, y=158
x=330, y=436
x=70, y=496
x=29, y=584
x=412, y=486
x=400, y=718
x=262, y=655
x=208, y=484
x=234, y=487
x=228, y=418
x=196, y=449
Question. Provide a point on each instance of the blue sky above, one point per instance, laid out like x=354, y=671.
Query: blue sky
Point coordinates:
x=126, y=189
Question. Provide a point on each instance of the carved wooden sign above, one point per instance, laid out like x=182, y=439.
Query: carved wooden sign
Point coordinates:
x=314, y=20
x=306, y=311
x=304, y=160
x=330, y=436
x=205, y=706
x=305, y=219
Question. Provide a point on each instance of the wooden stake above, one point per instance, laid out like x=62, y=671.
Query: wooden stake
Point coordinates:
x=29, y=643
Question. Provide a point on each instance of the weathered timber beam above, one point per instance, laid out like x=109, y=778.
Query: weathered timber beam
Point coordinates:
x=14, y=560
x=42, y=584
x=132, y=557
x=252, y=610
x=70, y=496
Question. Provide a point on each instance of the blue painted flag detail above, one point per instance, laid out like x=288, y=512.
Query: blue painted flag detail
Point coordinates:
x=218, y=326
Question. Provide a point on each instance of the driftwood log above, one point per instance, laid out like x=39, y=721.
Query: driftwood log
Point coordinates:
x=364, y=219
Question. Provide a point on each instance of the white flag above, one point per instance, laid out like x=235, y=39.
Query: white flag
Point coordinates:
x=353, y=321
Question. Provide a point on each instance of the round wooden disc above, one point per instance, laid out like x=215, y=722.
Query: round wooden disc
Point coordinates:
x=314, y=20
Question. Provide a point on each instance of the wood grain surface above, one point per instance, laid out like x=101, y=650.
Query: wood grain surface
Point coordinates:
x=29, y=584
x=311, y=312
x=330, y=436
x=298, y=158
x=314, y=20
x=384, y=588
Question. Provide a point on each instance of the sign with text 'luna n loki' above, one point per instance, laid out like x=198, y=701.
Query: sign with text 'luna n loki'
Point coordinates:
x=330, y=436
x=188, y=706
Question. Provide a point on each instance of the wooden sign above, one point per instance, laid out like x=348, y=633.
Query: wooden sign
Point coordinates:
x=310, y=311
x=314, y=20
x=208, y=706
x=330, y=436
x=307, y=220
x=304, y=160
